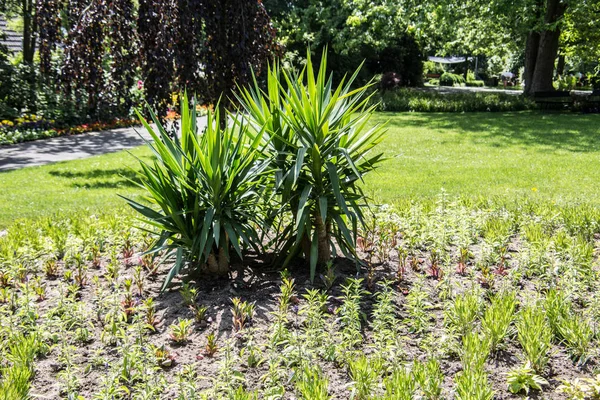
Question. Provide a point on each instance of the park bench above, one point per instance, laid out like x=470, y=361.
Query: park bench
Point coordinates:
x=555, y=100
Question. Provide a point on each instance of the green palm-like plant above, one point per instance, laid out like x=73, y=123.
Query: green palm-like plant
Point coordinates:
x=322, y=147
x=204, y=192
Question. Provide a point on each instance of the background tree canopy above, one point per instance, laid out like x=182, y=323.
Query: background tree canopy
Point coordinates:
x=95, y=59
x=527, y=34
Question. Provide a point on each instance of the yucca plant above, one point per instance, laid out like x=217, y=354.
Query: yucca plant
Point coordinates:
x=204, y=190
x=322, y=147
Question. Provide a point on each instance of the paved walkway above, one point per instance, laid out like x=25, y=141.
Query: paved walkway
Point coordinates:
x=65, y=148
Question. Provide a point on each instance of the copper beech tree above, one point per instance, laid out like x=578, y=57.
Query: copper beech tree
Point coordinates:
x=203, y=46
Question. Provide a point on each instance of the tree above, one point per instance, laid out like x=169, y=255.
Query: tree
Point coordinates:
x=352, y=31
x=239, y=38
x=25, y=10
x=99, y=60
x=203, y=46
x=532, y=27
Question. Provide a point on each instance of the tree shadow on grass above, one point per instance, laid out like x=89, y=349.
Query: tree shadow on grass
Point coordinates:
x=542, y=131
x=100, y=178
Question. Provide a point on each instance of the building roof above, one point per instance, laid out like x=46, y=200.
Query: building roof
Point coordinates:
x=11, y=39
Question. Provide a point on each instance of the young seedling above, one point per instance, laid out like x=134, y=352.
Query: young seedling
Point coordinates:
x=312, y=384
x=498, y=317
x=163, y=356
x=435, y=270
x=152, y=320
x=180, y=331
x=402, y=261
x=463, y=259
x=535, y=336
x=242, y=312
x=523, y=379
x=139, y=280
x=50, y=268
x=329, y=277
x=211, y=344
x=188, y=294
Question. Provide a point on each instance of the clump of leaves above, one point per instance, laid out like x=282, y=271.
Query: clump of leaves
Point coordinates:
x=523, y=379
x=180, y=331
x=322, y=144
x=497, y=318
x=535, y=336
x=206, y=188
x=242, y=313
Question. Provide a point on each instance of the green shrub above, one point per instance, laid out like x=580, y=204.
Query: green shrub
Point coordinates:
x=431, y=67
x=449, y=79
x=595, y=81
x=470, y=76
x=565, y=83
x=432, y=101
x=206, y=188
x=475, y=84
x=321, y=144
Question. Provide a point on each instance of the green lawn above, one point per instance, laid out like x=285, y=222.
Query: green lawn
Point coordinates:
x=481, y=155
x=59, y=188
x=542, y=156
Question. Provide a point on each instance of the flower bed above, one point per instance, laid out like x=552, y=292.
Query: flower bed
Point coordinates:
x=32, y=127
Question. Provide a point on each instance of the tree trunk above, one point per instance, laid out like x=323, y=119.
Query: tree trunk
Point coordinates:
x=217, y=266
x=560, y=66
x=323, y=238
x=29, y=31
x=531, y=50
x=547, y=50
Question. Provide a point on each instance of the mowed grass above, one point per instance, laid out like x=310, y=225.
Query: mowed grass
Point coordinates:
x=506, y=157
x=92, y=183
